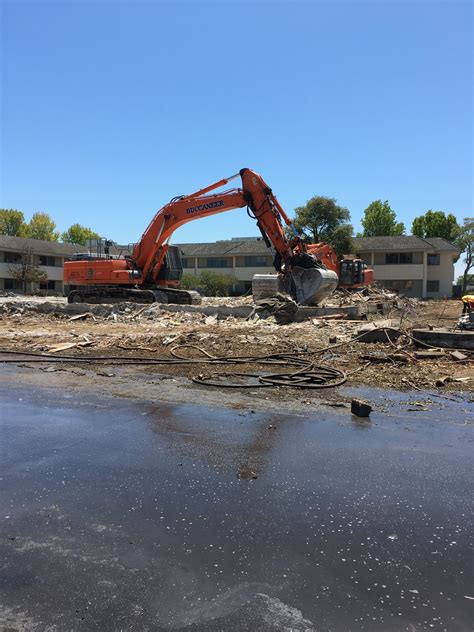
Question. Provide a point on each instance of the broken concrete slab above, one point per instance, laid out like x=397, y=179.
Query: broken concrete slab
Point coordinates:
x=444, y=338
x=382, y=331
x=458, y=356
x=429, y=354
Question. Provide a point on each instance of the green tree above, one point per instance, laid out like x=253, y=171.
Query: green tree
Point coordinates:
x=465, y=243
x=341, y=240
x=77, y=234
x=41, y=226
x=319, y=217
x=323, y=220
x=436, y=224
x=27, y=270
x=380, y=220
x=12, y=222
x=215, y=284
x=190, y=282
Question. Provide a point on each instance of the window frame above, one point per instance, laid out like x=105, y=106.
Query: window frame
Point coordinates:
x=214, y=265
x=437, y=257
x=399, y=258
x=10, y=256
x=430, y=281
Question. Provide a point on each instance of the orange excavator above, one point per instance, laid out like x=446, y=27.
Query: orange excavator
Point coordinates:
x=152, y=271
x=353, y=273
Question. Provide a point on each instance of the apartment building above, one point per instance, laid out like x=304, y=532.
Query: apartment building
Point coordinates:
x=412, y=266
x=240, y=258
x=48, y=255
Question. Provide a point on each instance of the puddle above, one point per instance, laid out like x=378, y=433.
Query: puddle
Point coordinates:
x=181, y=517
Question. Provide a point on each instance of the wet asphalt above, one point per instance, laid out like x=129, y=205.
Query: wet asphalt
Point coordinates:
x=117, y=515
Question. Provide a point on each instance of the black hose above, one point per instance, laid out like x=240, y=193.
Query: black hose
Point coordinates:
x=308, y=375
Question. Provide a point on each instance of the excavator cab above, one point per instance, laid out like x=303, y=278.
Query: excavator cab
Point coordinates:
x=354, y=273
x=172, y=268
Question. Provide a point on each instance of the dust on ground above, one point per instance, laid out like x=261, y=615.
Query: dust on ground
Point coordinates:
x=128, y=330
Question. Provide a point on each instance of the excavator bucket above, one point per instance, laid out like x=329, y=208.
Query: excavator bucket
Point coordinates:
x=308, y=286
x=313, y=285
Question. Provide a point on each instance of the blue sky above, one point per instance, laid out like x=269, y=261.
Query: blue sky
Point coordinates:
x=109, y=108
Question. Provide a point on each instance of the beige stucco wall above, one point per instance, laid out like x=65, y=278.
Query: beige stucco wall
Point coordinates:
x=401, y=271
x=246, y=274
x=444, y=273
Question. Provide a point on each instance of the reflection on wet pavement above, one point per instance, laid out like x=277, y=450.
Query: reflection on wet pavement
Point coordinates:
x=122, y=516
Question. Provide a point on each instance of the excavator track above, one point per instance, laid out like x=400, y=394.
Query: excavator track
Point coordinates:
x=182, y=297
x=113, y=294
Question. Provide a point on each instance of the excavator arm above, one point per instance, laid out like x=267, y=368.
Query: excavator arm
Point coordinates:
x=150, y=251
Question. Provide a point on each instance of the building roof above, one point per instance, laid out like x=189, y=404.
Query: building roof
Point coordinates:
x=403, y=242
x=225, y=248
x=39, y=246
x=256, y=246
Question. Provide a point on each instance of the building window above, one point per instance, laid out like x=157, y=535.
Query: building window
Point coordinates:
x=366, y=258
x=188, y=263
x=432, y=286
x=12, y=284
x=254, y=261
x=215, y=262
x=13, y=257
x=396, y=258
x=433, y=260
x=48, y=285
x=44, y=260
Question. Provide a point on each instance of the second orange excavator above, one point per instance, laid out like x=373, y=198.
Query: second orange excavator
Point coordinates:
x=353, y=273
x=152, y=271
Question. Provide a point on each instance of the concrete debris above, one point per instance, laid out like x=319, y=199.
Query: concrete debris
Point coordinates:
x=382, y=331
x=430, y=354
x=449, y=378
x=360, y=408
x=280, y=306
x=222, y=327
x=458, y=356
x=211, y=320
x=445, y=338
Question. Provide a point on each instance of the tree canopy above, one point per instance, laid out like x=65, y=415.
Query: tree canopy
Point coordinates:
x=436, y=224
x=12, y=222
x=380, y=220
x=77, y=234
x=325, y=221
x=41, y=226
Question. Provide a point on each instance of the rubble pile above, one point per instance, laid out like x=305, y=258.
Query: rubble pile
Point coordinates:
x=378, y=350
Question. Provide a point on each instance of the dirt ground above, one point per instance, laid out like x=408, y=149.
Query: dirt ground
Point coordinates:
x=128, y=331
